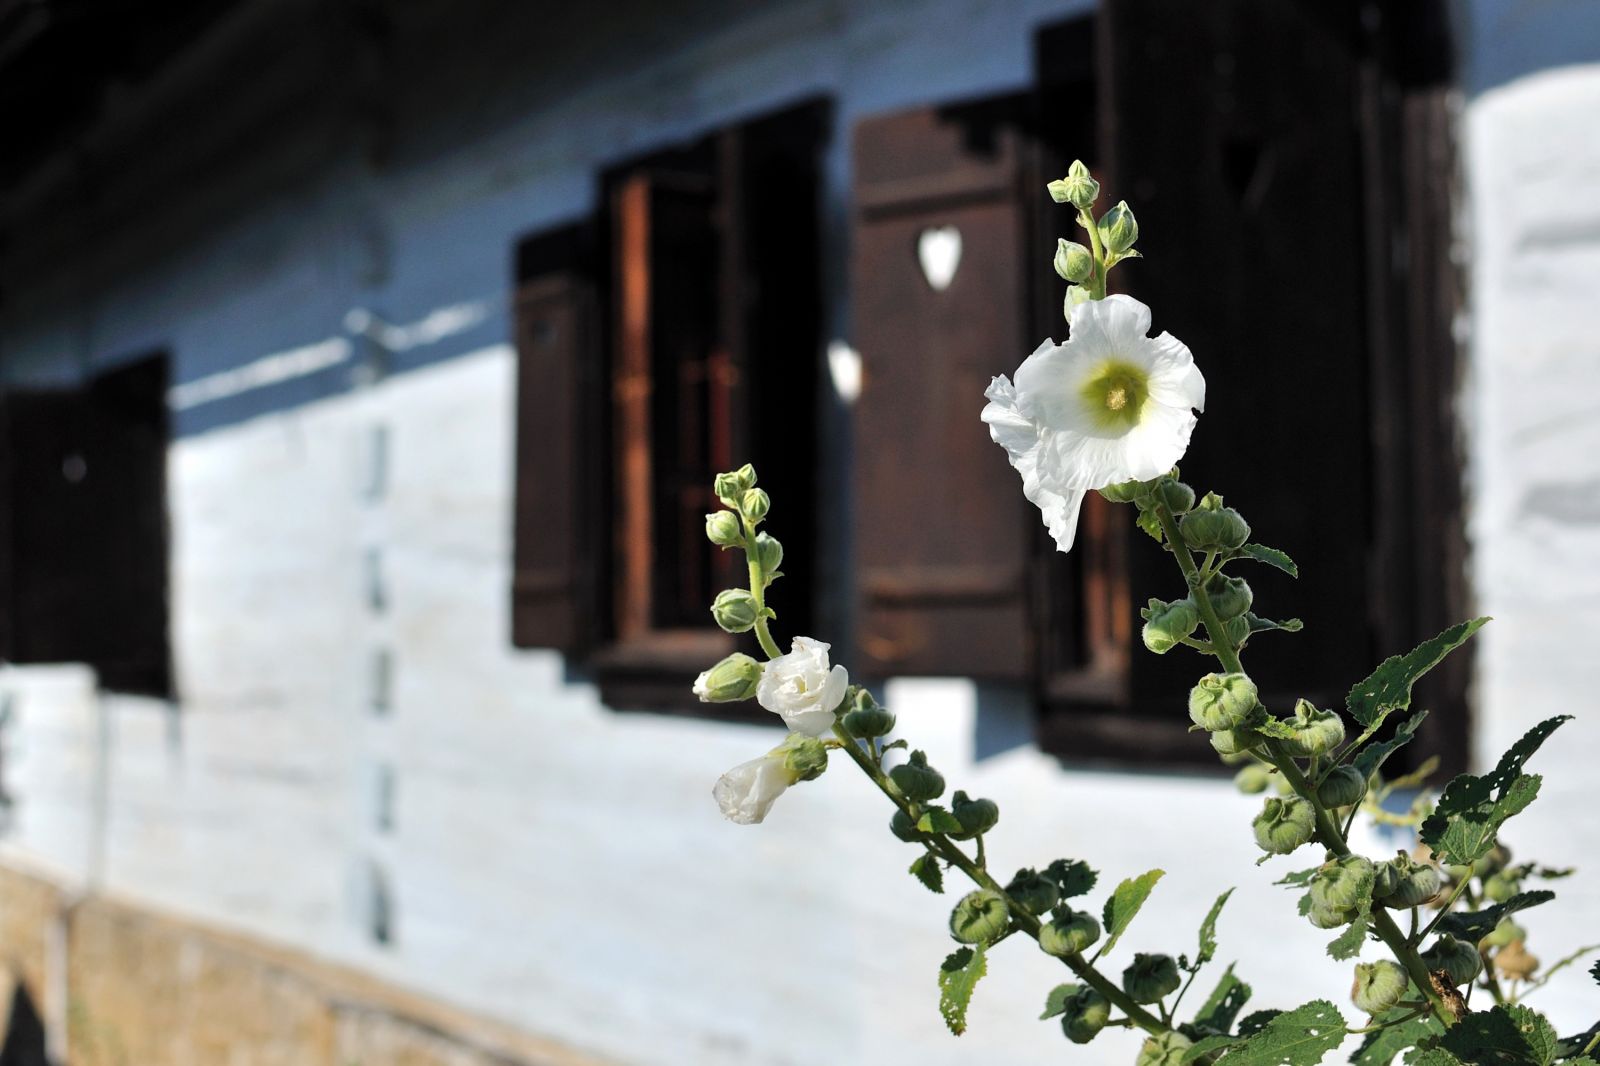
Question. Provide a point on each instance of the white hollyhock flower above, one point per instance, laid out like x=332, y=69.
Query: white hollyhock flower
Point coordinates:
x=1111, y=404
x=801, y=689
x=747, y=792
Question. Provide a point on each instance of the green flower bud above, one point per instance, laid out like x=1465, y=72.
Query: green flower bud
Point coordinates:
x=1403, y=883
x=979, y=918
x=1252, y=779
x=1032, y=891
x=735, y=610
x=733, y=679
x=1223, y=701
x=975, y=815
x=755, y=503
x=1230, y=596
x=1500, y=887
x=1118, y=228
x=1177, y=496
x=1165, y=1049
x=1073, y=262
x=768, y=553
x=1230, y=742
x=1460, y=962
x=803, y=756
x=1068, y=932
x=731, y=486
x=1327, y=916
x=1076, y=294
x=1314, y=731
x=1237, y=630
x=1077, y=188
x=1150, y=977
x=1492, y=861
x=866, y=717
x=1341, y=884
x=1084, y=1014
x=1345, y=786
x=1284, y=824
x=1214, y=528
x=1128, y=491
x=916, y=780
x=1168, y=623
x=1503, y=934
x=723, y=529
x=1378, y=986
x=905, y=828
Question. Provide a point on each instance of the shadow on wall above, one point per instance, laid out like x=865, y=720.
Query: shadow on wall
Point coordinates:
x=24, y=1041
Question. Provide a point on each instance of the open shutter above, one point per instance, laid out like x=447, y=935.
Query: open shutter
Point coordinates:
x=941, y=542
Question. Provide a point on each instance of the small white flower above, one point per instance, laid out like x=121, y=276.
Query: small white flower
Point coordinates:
x=801, y=689
x=1111, y=404
x=746, y=793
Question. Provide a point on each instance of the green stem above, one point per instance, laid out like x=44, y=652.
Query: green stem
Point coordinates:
x=1448, y=905
x=1097, y=281
x=758, y=589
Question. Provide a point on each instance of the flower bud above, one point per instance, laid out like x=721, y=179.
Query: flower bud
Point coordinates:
x=975, y=815
x=1230, y=596
x=1223, y=701
x=979, y=918
x=866, y=717
x=1492, y=861
x=733, y=679
x=1499, y=887
x=755, y=503
x=1345, y=786
x=1118, y=229
x=1084, y=1014
x=1403, y=883
x=1168, y=623
x=1164, y=1049
x=916, y=780
x=804, y=757
x=731, y=486
x=1341, y=884
x=1237, y=630
x=1128, y=491
x=1378, y=986
x=1076, y=294
x=1175, y=495
x=768, y=553
x=1150, y=977
x=723, y=529
x=1068, y=932
x=1215, y=528
x=904, y=827
x=1460, y=962
x=1284, y=824
x=1503, y=934
x=735, y=610
x=1515, y=961
x=1327, y=916
x=1077, y=188
x=1315, y=731
x=1032, y=891
x=1230, y=742
x=1252, y=779
x=1073, y=262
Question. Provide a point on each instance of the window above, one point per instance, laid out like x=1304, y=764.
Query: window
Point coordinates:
x=83, y=527
x=648, y=337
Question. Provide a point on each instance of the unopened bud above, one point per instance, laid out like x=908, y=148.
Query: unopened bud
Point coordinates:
x=804, y=757
x=904, y=827
x=1460, y=962
x=1403, y=883
x=1076, y=294
x=735, y=610
x=1175, y=495
x=1167, y=624
x=1084, y=1014
x=1212, y=527
x=975, y=815
x=1223, y=701
x=1033, y=892
x=1499, y=887
x=1229, y=742
x=733, y=484
x=1378, y=986
x=979, y=918
x=733, y=679
x=768, y=553
x=1284, y=825
x=1068, y=932
x=1118, y=229
x=1503, y=934
x=1252, y=779
x=1315, y=731
x=1128, y=491
x=1515, y=961
x=1230, y=596
x=1073, y=262
x=1149, y=978
x=755, y=503
x=866, y=717
x=1078, y=188
x=1170, y=1048
x=1345, y=786
x=1342, y=884
x=916, y=780
x=723, y=529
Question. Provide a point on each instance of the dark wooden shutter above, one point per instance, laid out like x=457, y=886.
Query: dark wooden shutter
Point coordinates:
x=941, y=542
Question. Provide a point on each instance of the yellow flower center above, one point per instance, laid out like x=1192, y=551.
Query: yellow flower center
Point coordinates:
x=1114, y=394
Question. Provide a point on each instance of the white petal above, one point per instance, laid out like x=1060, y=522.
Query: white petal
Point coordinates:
x=1158, y=441
x=1114, y=326
x=1060, y=511
x=702, y=689
x=1079, y=461
x=1007, y=426
x=1174, y=379
x=746, y=793
x=814, y=720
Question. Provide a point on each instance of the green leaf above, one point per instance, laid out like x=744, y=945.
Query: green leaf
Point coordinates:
x=1389, y=687
x=1432, y=1056
x=1261, y=625
x=1056, y=1002
x=1373, y=756
x=1271, y=556
x=1299, y=878
x=901, y=743
x=1255, y=1023
x=1207, y=1046
x=1124, y=903
x=1347, y=945
x=1224, y=1003
x=1463, y=824
x=1208, y=932
x=1148, y=522
x=1300, y=1037
x=938, y=820
x=1594, y=971
x=1474, y=926
x=1381, y=1047
x=1274, y=727
x=926, y=869
x=1072, y=876
x=957, y=978
x=1516, y=1034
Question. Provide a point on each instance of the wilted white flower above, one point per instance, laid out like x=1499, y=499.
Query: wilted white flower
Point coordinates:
x=746, y=793
x=801, y=689
x=1111, y=404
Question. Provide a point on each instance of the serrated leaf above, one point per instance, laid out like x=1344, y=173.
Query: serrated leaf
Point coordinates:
x=1148, y=522
x=1298, y=878
x=1389, y=687
x=1505, y=1035
x=1432, y=1056
x=1262, y=625
x=958, y=976
x=1347, y=945
x=1372, y=757
x=1056, y=1002
x=1072, y=876
x=1300, y=1037
x=1474, y=926
x=1271, y=556
x=1381, y=1047
x=1208, y=932
x=1594, y=971
x=1124, y=903
x=901, y=743
x=938, y=820
x=1208, y=1046
x=1255, y=1023
x=1463, y=824
x=1224, y=1003
x=926, y=869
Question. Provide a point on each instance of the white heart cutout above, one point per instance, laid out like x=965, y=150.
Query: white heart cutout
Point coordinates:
x=939, y=252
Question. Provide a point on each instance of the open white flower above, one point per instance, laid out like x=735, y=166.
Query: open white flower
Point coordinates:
x=1111, y=404
x=801, y=688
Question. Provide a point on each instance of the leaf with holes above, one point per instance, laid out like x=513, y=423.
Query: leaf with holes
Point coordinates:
x=1389, y=687
x=1271, y=556
x=1474, y=926
x=1516, y=1034
x=1202, y=1050
x=1463, y=824
x=1224, y=1003
x=1373, y=756
x=1381, y=1047
x=1300, y=1037
x=1124, y=903
x=957, y=978
x=1208, y=932
x=926, y=869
